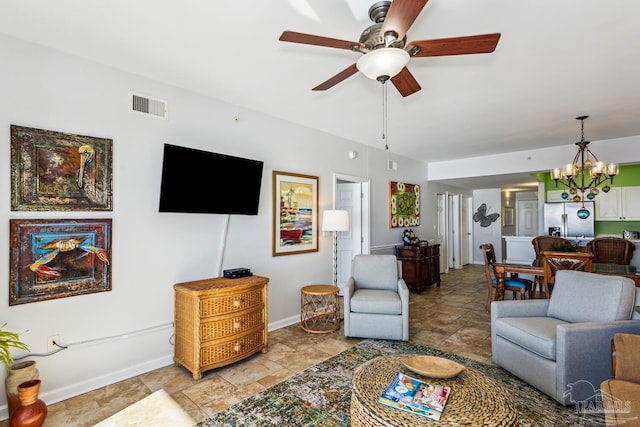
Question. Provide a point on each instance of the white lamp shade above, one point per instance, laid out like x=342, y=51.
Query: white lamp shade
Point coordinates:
x=335, y=220
x=387, y=61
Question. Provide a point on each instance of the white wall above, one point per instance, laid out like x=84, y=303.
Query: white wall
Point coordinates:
x=619, y=150
x=493, y=233
x=45, y=89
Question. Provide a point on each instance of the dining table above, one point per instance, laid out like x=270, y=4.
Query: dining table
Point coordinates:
x=536, y=268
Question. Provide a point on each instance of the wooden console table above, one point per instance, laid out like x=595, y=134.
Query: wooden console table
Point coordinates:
x=420, y=265
x=219, y=321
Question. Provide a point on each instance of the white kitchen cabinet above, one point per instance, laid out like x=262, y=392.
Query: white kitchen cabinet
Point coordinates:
x=619, y=204
x=556, y=196
x=519, y=249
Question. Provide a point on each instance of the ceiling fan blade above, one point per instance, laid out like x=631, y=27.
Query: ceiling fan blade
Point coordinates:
x=342, y=75
x=405, y=82
x=483, y=43
x=293, y=37
x=401, y=15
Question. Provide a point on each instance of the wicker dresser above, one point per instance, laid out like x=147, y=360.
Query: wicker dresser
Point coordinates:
x=219, y=321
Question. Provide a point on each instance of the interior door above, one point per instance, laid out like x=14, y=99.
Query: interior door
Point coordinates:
x=349, y=242
x=527, y=217
x=455, y=231
x=441, y=231
x=466, y=235
x=455, y=242
x=351, y=194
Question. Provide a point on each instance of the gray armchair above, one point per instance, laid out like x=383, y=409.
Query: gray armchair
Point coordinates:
x=562, y=346
x=376, y=299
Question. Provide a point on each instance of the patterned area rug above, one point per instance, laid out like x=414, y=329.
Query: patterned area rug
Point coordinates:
x=321, y=395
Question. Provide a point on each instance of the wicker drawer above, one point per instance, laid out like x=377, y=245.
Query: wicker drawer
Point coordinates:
x=229, y=351
x=218, y=305
x=219, y=321
x=230, y=326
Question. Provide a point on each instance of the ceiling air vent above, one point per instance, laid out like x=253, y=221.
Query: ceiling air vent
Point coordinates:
x=152, y=107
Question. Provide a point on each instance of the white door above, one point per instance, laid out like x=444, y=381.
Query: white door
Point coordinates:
x=441, y=232
x=349, y=242
x=455, y=242
x=527, y=222
x=465, y=232
x=351, y=194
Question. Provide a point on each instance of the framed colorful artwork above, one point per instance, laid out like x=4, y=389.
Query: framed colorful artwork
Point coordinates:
x=58, y=258
x=295, y=213
x=55, y=171
x=507, y=216
x=404, y=204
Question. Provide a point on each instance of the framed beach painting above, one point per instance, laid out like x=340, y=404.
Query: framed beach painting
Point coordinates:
x=56, y=171
x=404, y=204
x=57, y=258
x=295, y=213
x=507, y=216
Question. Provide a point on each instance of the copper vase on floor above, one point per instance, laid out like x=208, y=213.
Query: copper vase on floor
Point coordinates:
x=17, y=374
x=32, y=411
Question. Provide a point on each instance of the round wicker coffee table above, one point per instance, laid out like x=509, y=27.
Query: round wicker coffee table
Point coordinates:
x=475, y=399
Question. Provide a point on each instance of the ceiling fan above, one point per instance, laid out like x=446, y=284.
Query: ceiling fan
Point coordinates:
x=385, y=48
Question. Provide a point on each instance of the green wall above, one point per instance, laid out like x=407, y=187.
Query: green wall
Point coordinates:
x=628, y=176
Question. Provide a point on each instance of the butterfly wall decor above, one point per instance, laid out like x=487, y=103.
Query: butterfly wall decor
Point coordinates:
x=482, y=217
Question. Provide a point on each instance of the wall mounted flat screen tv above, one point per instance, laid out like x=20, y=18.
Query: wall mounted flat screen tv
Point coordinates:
x=198, y=181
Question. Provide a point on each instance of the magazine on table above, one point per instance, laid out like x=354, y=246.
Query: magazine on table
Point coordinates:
x=416, y=396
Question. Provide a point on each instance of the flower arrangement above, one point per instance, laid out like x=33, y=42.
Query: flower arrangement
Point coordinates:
x=409, y=238
x=9, y=340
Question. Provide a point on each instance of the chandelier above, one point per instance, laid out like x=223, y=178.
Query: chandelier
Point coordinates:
x=583, y=177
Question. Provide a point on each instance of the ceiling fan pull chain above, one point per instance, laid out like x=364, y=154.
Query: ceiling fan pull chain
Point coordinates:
x=384, y=115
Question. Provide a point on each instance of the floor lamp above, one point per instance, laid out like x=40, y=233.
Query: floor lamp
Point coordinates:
x=334, y=221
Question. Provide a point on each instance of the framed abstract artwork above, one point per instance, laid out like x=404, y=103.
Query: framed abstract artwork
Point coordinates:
x=507, y=216
x=485, y=219
x=295, y=213
x=57, y=258
x=404, y=205
x=55, y=171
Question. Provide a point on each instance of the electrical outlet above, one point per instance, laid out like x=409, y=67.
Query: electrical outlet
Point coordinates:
x=51, y=340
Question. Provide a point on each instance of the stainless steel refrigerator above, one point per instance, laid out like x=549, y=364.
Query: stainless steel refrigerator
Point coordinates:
x=561, y=219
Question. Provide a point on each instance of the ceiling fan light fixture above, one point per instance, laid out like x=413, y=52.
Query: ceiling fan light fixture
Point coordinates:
x=384, y=62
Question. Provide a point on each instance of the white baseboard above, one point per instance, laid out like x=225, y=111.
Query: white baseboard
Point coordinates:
x=54, y=396
x=72, y=390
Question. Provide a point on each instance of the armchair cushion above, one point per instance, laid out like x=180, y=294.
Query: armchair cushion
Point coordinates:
x=377, y=272
x=581, y=298
x=376, y=301
x=538, y=337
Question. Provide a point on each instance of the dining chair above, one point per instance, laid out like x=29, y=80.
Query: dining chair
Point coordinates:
x=553, y=261
x=545, y=243
x=516, y=285
x=611, y=250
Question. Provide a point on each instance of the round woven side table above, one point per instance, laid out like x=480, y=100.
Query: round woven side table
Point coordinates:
x=475, y=399
x=320, y=308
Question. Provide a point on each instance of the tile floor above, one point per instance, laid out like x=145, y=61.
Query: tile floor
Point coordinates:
x=451, y=318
